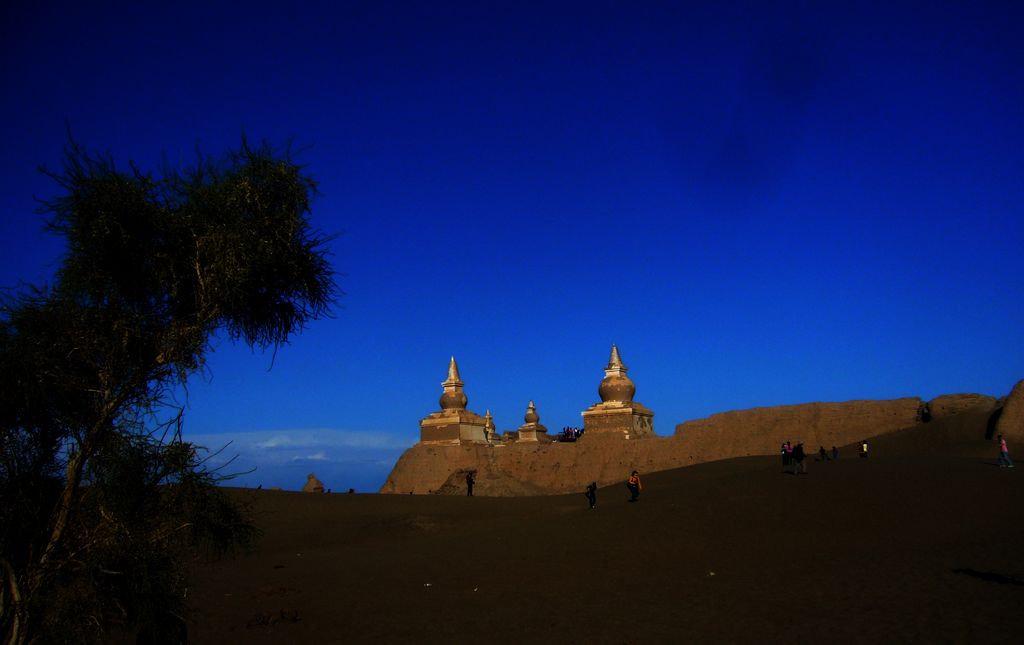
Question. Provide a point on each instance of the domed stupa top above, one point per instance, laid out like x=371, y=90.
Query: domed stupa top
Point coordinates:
x=453, y=398
x=531, y=414
x=616, y=386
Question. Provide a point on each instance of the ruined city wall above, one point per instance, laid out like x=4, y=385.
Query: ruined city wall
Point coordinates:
x=516, y=469
x=760, y=431
x=531, y=468
x=950, y=404
x=1011, y=420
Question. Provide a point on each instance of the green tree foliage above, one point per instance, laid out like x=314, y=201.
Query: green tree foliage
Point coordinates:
x=101, y=501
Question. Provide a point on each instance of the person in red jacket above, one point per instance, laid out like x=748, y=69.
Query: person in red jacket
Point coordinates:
x=1004, y=454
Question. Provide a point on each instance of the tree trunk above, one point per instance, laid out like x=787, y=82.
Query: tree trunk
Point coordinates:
x=10, y=606
x=37, y=572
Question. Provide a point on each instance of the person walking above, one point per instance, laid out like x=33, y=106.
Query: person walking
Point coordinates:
x=835, y=453
x=592, y=494
x=470, y=480
x=822, y=455
x=634, y=486
x=798, y=458
x=1004, y=454
x=864, y=449
x=787, y=456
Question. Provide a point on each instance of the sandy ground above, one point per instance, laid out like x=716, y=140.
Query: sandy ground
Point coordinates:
x=908, y=545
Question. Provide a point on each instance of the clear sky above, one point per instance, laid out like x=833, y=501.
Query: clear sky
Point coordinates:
x=761, y=203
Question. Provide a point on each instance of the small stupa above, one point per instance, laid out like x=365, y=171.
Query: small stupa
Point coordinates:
x=532, y=430
x=490, y=432
x=454, y=424
x=618, y=413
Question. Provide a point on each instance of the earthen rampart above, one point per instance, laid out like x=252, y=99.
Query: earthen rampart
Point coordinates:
x=523, y=469
x=950, y=404
x=619, y=437
x=1011, y=418
x=815, y=424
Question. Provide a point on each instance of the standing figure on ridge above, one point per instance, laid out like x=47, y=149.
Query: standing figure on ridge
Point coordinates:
x=592, y=494
x=864, y=448
x=470, y=480
x=634, y=486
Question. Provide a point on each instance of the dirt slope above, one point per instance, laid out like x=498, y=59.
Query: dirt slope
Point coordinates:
x=921, y=542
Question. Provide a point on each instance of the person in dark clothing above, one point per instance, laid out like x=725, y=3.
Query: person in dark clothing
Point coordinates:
x=634, y=486
x=470, y=480
x=822, y=454
x=785, y=458
x=592, y=494
x=798, y=460
x=835, y=453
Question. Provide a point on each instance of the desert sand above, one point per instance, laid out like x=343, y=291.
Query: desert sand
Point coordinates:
x=921, y=542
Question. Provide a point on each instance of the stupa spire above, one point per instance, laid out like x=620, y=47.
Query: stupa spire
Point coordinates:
x=453, y=397
x=615, y=361
x=453, y=374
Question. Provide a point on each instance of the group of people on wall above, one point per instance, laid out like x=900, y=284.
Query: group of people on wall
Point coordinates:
x=570, y=434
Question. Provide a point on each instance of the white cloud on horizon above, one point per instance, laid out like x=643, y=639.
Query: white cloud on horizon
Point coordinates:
x=320, y=456
x=301, y=438
x=345, y=457
x=265, y=447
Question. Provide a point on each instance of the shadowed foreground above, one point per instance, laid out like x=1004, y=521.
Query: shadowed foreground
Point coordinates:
x=899, y=547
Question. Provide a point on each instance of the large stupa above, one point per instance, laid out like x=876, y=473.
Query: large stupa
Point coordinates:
x=453, y=424
x=617, y=413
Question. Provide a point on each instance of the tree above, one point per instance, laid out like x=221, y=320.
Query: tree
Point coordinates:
x=100, y=498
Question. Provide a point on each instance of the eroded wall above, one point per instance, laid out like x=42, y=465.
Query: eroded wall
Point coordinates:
x=531, y=469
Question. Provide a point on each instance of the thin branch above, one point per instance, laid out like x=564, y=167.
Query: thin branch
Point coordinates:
x=10, y=612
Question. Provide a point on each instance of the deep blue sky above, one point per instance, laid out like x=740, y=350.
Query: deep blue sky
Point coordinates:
x=760, y=203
